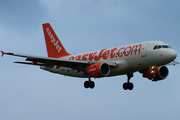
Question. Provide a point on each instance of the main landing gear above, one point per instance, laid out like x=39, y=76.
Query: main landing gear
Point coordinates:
x=128, y=85
x=89, y=84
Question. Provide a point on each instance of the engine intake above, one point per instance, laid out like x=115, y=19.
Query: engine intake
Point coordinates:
x=98, y=70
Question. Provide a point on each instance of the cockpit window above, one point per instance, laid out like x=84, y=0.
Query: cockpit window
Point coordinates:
x=161, y=46
x=165, y=46
x=169, y=46
x=155, y=47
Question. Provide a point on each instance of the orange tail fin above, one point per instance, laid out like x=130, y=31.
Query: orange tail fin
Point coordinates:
x=54, y=47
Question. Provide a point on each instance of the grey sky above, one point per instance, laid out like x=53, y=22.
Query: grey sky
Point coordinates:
x=27, y=93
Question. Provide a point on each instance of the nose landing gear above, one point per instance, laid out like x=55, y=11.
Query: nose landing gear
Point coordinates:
x=128, y=85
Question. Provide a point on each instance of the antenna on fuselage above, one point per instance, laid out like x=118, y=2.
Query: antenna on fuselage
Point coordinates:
x=150, y=39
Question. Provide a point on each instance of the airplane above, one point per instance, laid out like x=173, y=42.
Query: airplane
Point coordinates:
x=149, y=58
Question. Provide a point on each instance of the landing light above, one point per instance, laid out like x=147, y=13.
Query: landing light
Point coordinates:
x=153, y=68
x=152, y=71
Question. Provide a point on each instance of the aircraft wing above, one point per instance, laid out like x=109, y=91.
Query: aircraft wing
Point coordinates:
x=48, y=61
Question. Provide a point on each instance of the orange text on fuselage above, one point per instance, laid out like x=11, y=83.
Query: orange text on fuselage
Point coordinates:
x=112, y=53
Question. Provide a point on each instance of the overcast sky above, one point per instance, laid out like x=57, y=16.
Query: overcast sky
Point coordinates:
x=28, y=93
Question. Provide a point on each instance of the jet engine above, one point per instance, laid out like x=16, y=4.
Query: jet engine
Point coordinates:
x=98, y=70
x=156, y=74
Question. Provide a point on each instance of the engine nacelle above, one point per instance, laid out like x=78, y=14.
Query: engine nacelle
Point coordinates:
x=98, y=70
x=160, y=73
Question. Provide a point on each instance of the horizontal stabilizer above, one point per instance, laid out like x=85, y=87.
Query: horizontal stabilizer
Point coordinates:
x=2, y=53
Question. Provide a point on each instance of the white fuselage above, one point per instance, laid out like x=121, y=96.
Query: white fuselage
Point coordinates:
x=129, y=58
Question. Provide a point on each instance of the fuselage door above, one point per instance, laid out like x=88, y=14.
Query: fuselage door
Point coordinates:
x=143, y=50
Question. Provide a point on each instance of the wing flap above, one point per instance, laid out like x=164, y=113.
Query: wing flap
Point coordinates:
x=27, y=63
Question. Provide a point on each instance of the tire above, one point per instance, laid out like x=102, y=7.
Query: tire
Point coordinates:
x=154, y=79
x=91, y=84
x=125, y=86
x=86, y=84
x=131, y=86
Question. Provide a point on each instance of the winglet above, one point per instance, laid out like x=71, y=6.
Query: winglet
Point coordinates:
x=2, y=53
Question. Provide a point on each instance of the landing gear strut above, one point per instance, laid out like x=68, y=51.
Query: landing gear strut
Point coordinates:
x=89, y=84
x=128, y=85
x=154, y=78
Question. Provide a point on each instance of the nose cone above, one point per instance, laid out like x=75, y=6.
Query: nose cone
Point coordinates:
x=171, y=55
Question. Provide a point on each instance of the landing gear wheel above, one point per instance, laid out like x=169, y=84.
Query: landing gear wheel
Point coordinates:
x=91, y=84
x=86, y=84
x=131, y=86
x=154, y=79
x=127, y=86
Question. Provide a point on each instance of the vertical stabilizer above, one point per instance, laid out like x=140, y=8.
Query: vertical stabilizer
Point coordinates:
x=54, y=47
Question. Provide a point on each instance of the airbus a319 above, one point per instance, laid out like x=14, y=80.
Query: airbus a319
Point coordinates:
x=149, y=58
